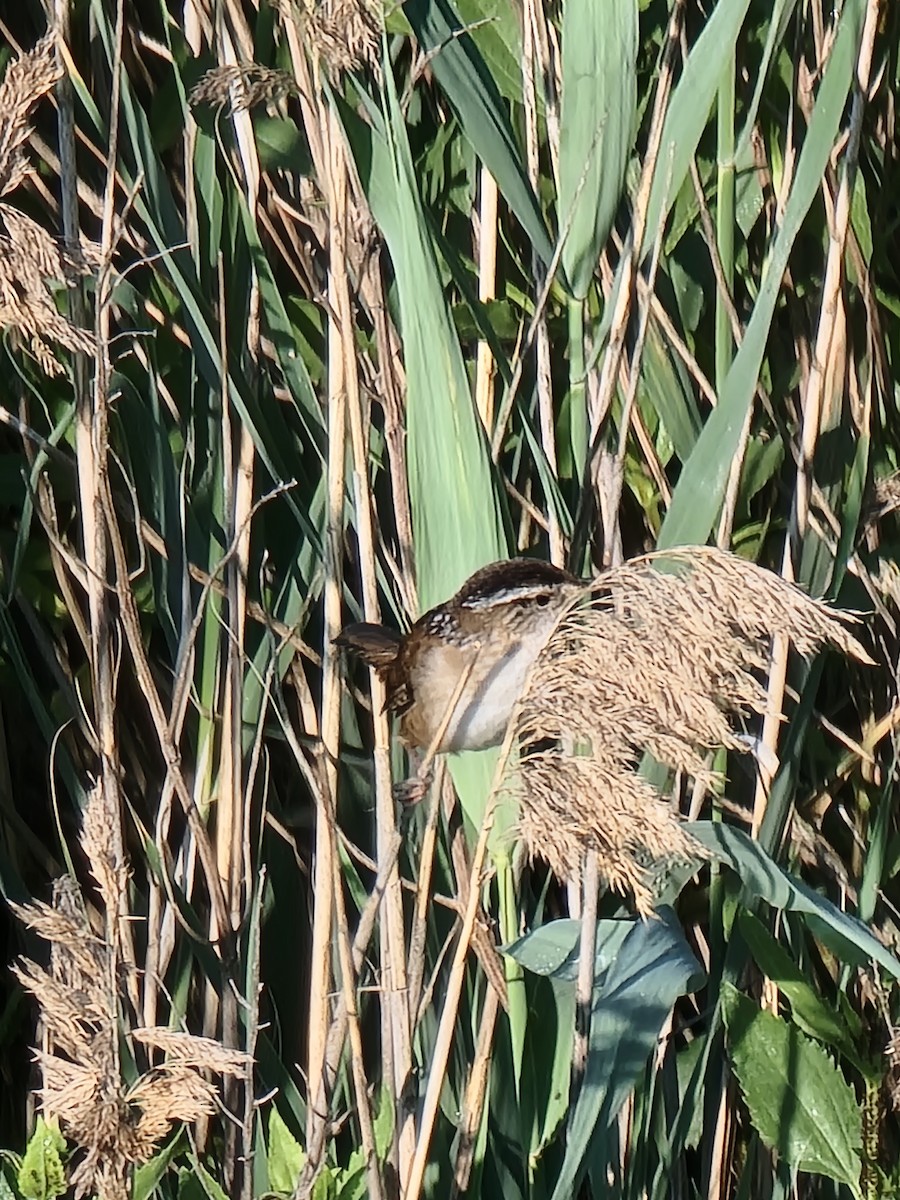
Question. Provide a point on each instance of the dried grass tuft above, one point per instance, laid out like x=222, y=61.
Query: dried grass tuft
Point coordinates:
x=238, y=88
x=344, y=34
x=27, y=80
x=29, y=257
x=115, y=1127
x=663, y=655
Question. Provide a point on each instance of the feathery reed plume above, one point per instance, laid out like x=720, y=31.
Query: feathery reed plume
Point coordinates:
x=115, y=1126
x=26, y=81
x=238, y=88
x=659, y=655
x=29, y=256
x=344, y=34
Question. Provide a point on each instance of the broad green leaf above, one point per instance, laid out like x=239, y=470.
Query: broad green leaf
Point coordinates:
x=689, y=110
x=799, y=1102
x=461, y=72
x=698, y=494
x=457, y=522
x=351, y=1183
x=546, y=948
x=285, y=1155
x=652, y=969
x=597, y=127
x=765, y=880
x=860, y=217
x=42, y=1175
x=383, y=1125
x=552, y=949
x=281, y=145
x=553, y=1063
x=6, y=1188
x=808, y=1009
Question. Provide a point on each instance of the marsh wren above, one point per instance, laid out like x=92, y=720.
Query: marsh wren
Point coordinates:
x=473, y=652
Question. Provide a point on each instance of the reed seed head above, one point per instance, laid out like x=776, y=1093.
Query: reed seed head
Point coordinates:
x=664, y=655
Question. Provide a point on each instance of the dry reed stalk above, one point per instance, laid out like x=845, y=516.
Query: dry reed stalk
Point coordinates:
x=661, y=655
x=535, y=64
x=485, y=367
x=115, y=1126
x=476, y=1092
x=813, y=392
x=345, y=213
x=624, y=297
x=450, y=1011
x=240, y=85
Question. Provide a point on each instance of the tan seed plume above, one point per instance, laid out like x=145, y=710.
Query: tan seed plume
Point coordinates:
x=664, y=655
x=30, y=259
x=114, y=1127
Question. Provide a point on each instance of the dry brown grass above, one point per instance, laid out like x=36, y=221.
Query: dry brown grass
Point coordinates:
x=30, y=259
x=80, y=997
x=345, y=35
x=664, y=655
x=237, y=88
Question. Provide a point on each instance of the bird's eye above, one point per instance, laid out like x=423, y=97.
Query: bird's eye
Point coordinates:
x=542, y=601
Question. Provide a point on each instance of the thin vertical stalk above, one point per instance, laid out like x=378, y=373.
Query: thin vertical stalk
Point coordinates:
x=584, y=985
x=725, y=193
x=396, y=1043
x=92, y=454
x=323, y=894
x=450, y=1012
x=485, y=366
x=515, y=975
x=323, y=879
x=813, y=399
x=578, y=418
x=531, y=46
x=473, y=1112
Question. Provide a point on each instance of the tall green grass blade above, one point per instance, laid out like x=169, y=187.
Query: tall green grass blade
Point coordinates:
x=698, y=495
x=496, y=29
x=667, y=389
x=725, y=216
x=597, y=127
x=457, y=522
x=461, y=72
x=457, y=513
x=765, y=880
x=808, y=1010
x=576, y=400
x=782, y=11
x=689, y=110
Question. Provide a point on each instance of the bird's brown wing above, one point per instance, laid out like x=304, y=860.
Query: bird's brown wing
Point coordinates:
x=375, y=644
x=380, y=647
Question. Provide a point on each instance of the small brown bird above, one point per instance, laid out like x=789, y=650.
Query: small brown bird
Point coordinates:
x=491, y=632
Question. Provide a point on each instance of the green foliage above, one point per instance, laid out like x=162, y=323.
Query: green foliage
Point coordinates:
x=190, y=678
x=799, y=1102
x=42, y=1173
x=597, y=126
